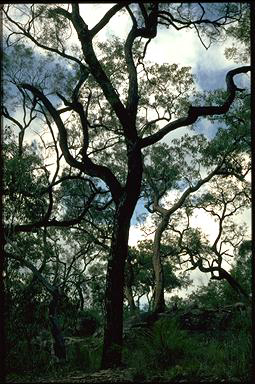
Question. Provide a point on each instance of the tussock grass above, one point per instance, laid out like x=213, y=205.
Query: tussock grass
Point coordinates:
x=169, y=353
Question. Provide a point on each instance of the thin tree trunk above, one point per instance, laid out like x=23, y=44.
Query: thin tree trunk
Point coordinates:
x=159, y=300
x=129, y=279
x=130, y=298
x=59, y=342
x=81, y=303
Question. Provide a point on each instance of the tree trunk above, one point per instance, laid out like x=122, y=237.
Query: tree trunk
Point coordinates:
x=59, y=342
x=129, y=278
x=115, y=278
x=114, y=295
x=130, y=299
x=81, y=303
x=234, y=283
x=159, y=300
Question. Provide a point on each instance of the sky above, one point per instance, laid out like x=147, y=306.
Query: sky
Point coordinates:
x=183, y=48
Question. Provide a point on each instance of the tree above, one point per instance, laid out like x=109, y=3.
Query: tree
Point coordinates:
x=172, y=171
x=142, y=275
x=47, y=28
x=223, y=205
x=209, y=256
x=179, y=167
x=218, y=293
x=240, y=50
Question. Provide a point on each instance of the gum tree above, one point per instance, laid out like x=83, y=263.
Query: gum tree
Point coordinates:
x=47, y=27
x=222, y=204
x=189, y=165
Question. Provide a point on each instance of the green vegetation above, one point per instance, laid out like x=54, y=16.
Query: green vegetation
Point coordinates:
x=167, y=352
x=162, y=352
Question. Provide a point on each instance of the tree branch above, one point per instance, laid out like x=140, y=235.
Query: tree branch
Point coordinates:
x=195, y=112
x=106, y=18
x=32, y=227
x=50, y=288
x=87, y=165
x=47, y=48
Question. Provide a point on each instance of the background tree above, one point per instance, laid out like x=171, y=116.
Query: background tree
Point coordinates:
x=218, y=293
x=144, y=282
x=210, y=256
x=184, y=176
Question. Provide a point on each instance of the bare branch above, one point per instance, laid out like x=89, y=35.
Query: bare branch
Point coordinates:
x=106, y=18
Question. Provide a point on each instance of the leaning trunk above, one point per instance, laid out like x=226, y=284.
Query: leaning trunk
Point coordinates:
x=59, y=342
x=234, y=284
x=130, y=299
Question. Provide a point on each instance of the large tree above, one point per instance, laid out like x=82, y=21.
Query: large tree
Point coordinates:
x=47, y=27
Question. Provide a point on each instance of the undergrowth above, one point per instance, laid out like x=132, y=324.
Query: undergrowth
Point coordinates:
x=162, y=352
x=166, y=352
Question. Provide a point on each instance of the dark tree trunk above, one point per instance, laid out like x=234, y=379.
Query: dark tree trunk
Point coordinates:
x=234, y=283
x=59, y=342
x=115, y=278
x=114, y=295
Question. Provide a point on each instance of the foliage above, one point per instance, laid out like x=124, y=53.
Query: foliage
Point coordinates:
x=156, y=349
x=240, y=50
x=89, y=322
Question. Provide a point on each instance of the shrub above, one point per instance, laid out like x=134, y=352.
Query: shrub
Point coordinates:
x=88, y=323
x=78, y=355
x=24, y=357
x=85, y=354
x=159, y=348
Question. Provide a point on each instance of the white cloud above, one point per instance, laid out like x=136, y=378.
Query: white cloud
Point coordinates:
x=171, y=46
x=119, y=24
x=136, y=233
x=205, y=222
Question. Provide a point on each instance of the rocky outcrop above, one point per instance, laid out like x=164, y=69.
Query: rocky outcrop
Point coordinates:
x=193, y=318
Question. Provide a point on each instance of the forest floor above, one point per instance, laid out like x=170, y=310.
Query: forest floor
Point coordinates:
x=108, y=376
x=102, y=376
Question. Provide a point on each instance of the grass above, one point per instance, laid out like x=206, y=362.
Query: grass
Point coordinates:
x=168, y=353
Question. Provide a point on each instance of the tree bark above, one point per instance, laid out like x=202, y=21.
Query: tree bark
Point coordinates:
x=114, y=295
x=159, y=300
x=115, y=278
x=129, y=278
x=59, y=342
